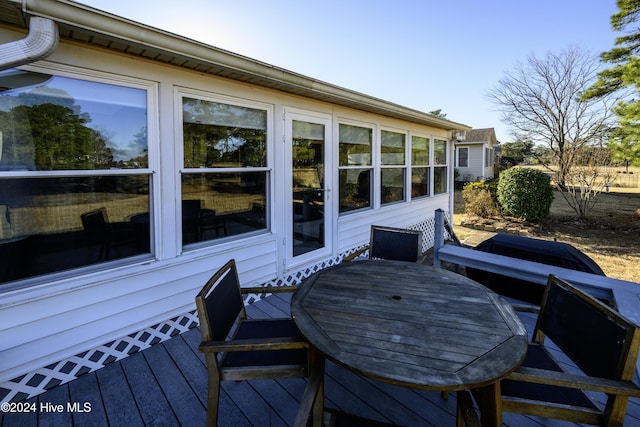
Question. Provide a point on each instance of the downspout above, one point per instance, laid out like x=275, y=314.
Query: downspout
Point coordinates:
x=41, y=42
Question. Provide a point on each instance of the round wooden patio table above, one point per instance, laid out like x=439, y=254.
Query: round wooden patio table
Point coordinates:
x=413, y=325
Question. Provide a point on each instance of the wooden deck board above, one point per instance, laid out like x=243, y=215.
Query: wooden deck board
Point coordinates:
x=86, y=389
x=181, y=397
x=167, y=384
x=117, y=398
x=55, y=396
x=151, y=402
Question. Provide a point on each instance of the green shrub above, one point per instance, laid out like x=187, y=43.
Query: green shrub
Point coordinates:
x=480, y=199
x=525, y=193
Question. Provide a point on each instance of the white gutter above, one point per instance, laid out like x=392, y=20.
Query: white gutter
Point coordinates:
x=41, y=42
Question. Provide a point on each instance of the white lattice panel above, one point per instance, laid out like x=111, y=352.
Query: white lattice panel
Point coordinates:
x=45, y=378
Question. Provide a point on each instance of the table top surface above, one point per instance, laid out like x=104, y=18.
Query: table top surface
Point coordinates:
x=410, y=324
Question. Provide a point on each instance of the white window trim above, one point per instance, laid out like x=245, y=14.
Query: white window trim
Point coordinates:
x=77, y=277
x=407, y=160
x=374, y=203
x=179, y=93
x=428, y=165
x=458, y=150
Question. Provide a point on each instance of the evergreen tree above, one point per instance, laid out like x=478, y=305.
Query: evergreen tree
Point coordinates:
x=623, y=74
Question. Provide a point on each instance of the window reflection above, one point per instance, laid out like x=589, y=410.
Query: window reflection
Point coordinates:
x=355, y=149
x=56, y=224
x=419, y=150
x=219, y=205
x=392, y=182
x=223, y=135
x=355, y=189
x=440, y=170
x=419, y=182
x=59, y=123
x=392, y=149
x=419, y=170
x=392, y=152
x=439, y=180
x=439, y=152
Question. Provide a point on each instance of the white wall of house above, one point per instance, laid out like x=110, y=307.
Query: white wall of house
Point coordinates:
x=57, y=317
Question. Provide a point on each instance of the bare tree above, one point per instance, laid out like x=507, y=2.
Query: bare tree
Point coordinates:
x=540, y=100
x=591, y=172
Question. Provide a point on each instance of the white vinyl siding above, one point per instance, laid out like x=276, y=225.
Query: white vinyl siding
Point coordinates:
x=48, y=318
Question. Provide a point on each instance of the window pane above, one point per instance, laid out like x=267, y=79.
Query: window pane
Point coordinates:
x=439, y=180
x=392, y=148
x=355, y=145
x=439, y=152
x=419, y=182
x=419, y=150
x=222, y=135
x=218, y=205
x=463, y=157
x=54, y=224
x=59, y=123
x=355, y=189
x=392, y=185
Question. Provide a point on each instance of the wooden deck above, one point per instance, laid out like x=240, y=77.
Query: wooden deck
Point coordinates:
x=166, y=385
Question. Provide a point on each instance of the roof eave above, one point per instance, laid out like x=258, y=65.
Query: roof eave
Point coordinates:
x=166, y=47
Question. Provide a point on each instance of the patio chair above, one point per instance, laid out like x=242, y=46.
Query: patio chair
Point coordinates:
x=237, y=348
x=597, y=339
x=391, y=243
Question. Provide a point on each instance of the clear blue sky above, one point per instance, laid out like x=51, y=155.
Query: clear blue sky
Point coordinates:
x=422, y=54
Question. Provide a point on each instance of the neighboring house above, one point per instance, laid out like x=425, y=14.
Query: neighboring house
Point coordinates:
x=475, y=156
x=135, y=162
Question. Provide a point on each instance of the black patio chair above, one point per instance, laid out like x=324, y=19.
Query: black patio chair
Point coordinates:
x=399, y=244
x=237, y=348
x=597, y=339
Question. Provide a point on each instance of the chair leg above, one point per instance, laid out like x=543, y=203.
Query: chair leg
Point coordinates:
x=318, y=404
x=213, y=398
x=466, y=415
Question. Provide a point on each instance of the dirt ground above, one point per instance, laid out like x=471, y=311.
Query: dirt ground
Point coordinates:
x=611, y=237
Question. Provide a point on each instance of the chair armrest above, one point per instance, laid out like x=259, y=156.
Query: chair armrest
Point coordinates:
x=356, y=254
x=268, y=289
x=563, y=379
x=285, y=343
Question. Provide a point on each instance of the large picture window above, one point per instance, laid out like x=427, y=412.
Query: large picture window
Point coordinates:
x=73, y=173
x=225, y=180
x=355, y=167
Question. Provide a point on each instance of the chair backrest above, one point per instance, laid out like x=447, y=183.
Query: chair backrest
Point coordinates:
x=220, y=303
x=600, y=341
x=395, y=243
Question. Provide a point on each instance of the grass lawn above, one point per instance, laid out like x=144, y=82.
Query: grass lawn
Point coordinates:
x=611, y=236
